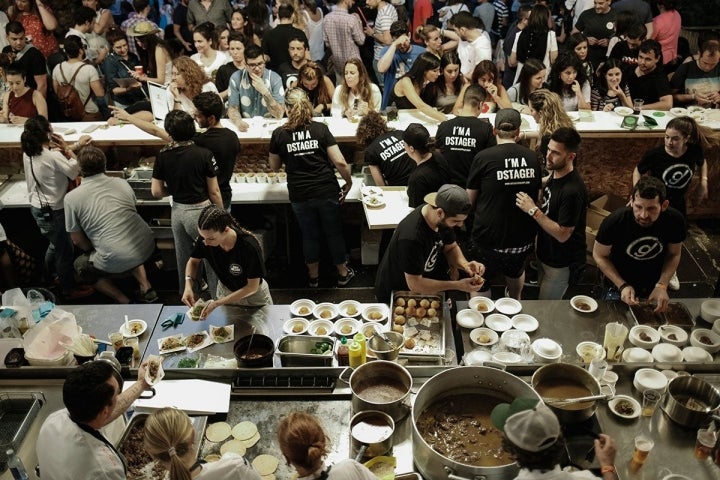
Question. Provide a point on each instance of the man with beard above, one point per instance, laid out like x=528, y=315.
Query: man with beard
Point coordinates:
x=298, y=50
x=474, y=44
x=25, y=58
x=397, y=58
x=638, y=247
x=598, y=25
x=647, y=81
x=560, y=245
x=423, y=249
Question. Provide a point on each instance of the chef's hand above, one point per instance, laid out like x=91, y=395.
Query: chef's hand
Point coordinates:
x=142, y=373
x=188, y=297
x=524, y=202
x=659, y=297
x=344, y=190
x=468, y=285
x=211, y=305
x=474, y=268
x=627, y=295
x=605, y=450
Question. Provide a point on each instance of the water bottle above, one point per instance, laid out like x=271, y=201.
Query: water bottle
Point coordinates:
x=17, y=469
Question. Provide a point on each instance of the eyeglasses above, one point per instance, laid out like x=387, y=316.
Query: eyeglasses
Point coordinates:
x=255, y=65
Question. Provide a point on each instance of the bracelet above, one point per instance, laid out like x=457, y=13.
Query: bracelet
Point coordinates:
x=661, y=285
x=537, y=213
x=188, y=277
x=704, y=177
x=608, y=469
x=623, y=287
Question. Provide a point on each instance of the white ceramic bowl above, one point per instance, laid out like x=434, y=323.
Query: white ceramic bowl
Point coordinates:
x=673, y=335
x=705, y=339
x=325, y=311
x=296, y=326
x=644, y=336
x=508, y=306
x=302, y=307
x=350, y=308
x=368, y=328
x=710, y=310
x=679, y=111
x=649, y=379
x=666, y=352
x=637, y=355
x=498, y=322
x=515, y=338
x=670, y=374
x=477, y=357
x=587, y=351
x=469, y=318
x=484, y=336
x=346, y=327
x=581, y=302
x=696, y=355
x=372, y=312
x=139, y=325
x=525, y=322
x=481, y=304
x=623, y=111
x=716, y=326
x=506, y=357
x=546, y=350
x=321, y=327
x=629, y=402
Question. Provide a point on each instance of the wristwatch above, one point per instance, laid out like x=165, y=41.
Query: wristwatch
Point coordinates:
x=532, y=211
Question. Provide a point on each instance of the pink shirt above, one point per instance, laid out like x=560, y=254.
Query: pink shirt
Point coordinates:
x=666, y=30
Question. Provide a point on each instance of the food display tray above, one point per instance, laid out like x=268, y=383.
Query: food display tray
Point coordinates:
x=294, y=351
x=676, y=314
x=435, y=346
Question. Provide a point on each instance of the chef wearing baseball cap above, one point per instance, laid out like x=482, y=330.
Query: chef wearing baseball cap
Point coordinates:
x=423, y=249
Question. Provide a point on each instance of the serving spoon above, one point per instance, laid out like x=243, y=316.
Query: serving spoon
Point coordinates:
x=562, y=402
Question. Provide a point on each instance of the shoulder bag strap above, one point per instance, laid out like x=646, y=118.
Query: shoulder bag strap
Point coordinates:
x=72, y=81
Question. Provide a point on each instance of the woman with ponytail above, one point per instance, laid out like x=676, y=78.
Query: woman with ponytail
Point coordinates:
x=304, y=147
x=170, y=438
x=305, y=445
x=432, y=170
x=235, y=256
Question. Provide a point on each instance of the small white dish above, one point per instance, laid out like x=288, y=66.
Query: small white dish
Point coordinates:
x=588, y=351
x=525, y=322
x=368, y=329
x=484, y=336
x=325, y=311
x=506, y=357
x=481, y=304
x=716, y=326
x=583, y=304
x=346, y=327
x=477, y=357
x=546, y=350
x=666, y=352
x=375, y=313
x=637, y=355
x=705, y=339
x=137, y=327
x=296, y=326
x=644, y=336
x=508, y=306
x=673, y=335
x=498, y=322
x=469, y=318
x=670, y=374
x=625, y=407
x=710, y=310
x=374, y=201
x=574, y=116
x=695, y=109
x=321, y=327
x=623, y=111
x=371, y=190
x=515, y=339
x=679, y=112
x=649, y=379
x=696, y=355
x=302, y=307
x=350, y=308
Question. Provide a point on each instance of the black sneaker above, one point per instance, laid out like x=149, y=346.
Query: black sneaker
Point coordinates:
x=314, y=282
x=150, y=296
x=343, y=281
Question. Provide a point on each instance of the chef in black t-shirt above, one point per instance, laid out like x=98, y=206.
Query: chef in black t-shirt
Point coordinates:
x=432, y=170
x=384, y=151
x=423, y=248
x=638, y=248
x=235, y=256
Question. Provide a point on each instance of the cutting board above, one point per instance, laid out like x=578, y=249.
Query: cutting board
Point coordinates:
x=197, y=397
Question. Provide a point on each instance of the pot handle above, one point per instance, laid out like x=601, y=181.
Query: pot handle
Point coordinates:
x=451, y=475
x=342, y=374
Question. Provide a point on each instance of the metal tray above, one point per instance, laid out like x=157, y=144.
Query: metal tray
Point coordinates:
x=431, y=348
x=294, y=351
x=17, y=413
x=677, y=314
x=147, y=470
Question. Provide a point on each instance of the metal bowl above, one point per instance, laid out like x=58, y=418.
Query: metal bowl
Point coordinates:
x=377, y=346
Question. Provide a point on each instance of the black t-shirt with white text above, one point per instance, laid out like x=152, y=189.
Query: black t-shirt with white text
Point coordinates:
x=498, y=174
x=565, y=202
x=234, y=268
x=289, y=75
x=387, y=152
x=416, y=249
x=460, y=139
x=638, y=253
x=427, y=177
x=185, y=170
x=310, y=173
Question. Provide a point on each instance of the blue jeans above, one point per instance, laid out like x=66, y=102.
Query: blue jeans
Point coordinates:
x=318, y=218
x=59, y=254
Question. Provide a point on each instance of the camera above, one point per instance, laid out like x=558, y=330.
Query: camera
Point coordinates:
x=46, y=212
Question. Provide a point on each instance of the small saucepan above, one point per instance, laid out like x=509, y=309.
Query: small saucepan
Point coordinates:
x=562, y=380
x=691, y=402
x=371, y=434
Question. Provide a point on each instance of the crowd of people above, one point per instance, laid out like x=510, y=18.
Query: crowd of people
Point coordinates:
x=216, y=59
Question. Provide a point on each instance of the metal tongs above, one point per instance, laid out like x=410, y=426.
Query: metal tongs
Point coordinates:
x=384, y=338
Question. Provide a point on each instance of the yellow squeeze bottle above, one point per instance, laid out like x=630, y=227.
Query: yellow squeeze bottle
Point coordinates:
x=355, y=354
x=360, y=338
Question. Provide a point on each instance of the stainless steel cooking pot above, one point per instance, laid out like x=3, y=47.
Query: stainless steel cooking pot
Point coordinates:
x=691, y=401
x=371, y=434
x=383, y=386
x=456, y=381
x=574, y=413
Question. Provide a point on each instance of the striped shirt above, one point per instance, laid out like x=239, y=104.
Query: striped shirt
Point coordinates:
x=385, y=17
x=343, y=33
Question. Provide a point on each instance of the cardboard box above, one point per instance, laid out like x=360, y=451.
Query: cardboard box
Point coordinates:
x=608, y=203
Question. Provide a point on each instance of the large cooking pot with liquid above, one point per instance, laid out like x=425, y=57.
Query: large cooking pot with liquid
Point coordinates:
x=563, y=380
x=383, y=386
x=479, y=389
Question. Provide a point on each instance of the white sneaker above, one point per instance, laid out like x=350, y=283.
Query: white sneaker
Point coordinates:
x=674, y=283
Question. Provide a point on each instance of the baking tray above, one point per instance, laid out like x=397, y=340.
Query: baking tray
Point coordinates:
x=150, y=470
x=435, y=347
x=676, y=314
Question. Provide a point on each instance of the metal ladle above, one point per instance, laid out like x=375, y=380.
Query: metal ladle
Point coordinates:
x=562, y=402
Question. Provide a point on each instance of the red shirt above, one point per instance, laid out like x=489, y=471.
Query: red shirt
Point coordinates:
x=423, y=11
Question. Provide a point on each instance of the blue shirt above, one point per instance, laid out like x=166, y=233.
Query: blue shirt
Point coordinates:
x=401, y=64
x=248, y=100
